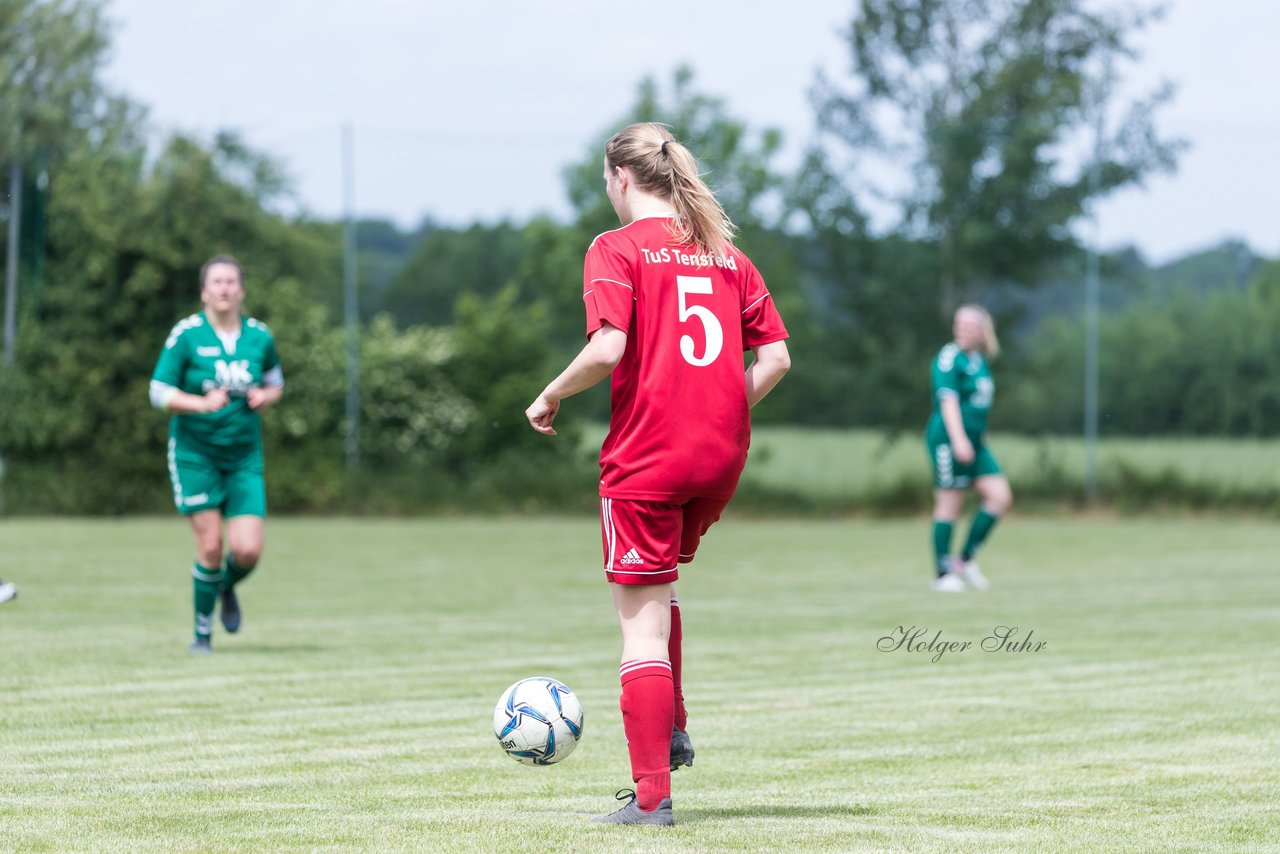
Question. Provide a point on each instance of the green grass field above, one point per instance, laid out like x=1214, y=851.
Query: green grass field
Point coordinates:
x=353, y=710
x=864, y=469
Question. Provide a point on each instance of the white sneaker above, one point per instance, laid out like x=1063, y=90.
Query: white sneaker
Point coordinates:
x=974, y=576
x=8, y=590
x=949, y=583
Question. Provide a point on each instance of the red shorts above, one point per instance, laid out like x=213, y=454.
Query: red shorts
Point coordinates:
x=645, y=540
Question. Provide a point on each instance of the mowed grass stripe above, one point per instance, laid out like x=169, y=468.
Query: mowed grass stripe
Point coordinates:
x=859, y=463
x=353, y=710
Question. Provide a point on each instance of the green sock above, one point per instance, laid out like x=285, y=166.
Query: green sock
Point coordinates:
x=942, y=529
x=205, y=585
x=235, y=572
x=978, y=533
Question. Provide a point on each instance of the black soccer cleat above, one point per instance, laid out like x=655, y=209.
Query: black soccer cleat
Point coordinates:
x=632, y=814
x=201, y=646
x=230, y=611
x=681, y=748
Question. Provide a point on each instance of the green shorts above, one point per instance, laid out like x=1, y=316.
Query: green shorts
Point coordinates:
x=232, y=483
x=948, y=473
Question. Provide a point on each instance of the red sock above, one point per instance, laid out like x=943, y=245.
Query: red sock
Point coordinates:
x=647, y=712
x=674, y=652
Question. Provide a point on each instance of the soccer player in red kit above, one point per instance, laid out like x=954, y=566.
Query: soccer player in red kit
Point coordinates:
x=671, y=305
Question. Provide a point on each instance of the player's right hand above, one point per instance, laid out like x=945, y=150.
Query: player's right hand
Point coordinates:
x=541, y=413
x=963, y=451
x=215, y=399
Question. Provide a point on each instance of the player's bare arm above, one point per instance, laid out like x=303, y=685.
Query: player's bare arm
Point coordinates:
x=949, y=406
x=771, y=363
x=596, y=361
x=183, y=403
x=260, y=397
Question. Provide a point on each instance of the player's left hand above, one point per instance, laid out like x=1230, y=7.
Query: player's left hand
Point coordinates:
x=541, y=413
x=257, y=398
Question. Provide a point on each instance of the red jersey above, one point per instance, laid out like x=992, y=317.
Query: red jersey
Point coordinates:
x=679, y=425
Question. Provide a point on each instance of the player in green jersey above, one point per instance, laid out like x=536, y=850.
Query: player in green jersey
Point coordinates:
x=956, y=440
x=217, y=371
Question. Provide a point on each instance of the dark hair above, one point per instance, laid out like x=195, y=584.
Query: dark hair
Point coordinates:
x=660, y=165
x=221, y=259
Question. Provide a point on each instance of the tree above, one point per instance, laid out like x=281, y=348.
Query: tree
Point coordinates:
x=383, y=251
x=50, y=52
x=738, y=161
x=981, y=101
x=479, y=259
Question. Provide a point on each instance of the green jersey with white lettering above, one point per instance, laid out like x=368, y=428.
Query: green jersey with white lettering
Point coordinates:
x=966, y=377
x=197, y=359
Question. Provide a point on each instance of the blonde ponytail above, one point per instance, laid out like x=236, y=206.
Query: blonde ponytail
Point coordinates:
x=663, y=167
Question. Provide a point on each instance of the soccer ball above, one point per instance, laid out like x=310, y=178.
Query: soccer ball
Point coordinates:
x=538, y=721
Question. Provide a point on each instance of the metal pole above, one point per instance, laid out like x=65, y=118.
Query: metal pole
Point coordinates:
x=11, y=262
x=351, y=305
x=1091, y=370
x=1091, y=299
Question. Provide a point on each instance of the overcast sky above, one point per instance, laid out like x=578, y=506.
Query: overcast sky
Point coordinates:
x=466, y=111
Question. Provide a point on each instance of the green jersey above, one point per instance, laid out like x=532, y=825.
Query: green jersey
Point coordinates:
x=966, y=377
x=197, y=359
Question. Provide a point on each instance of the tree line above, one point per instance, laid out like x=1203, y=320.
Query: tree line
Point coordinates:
x=975, y=101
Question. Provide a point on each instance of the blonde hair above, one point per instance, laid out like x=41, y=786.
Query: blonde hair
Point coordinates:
x=990, y=343
x=663, y=167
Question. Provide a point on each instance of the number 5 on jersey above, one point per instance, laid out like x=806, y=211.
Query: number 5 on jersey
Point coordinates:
x=686, y=285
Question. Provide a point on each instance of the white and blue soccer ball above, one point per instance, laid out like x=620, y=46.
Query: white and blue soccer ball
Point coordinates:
x=538, y=721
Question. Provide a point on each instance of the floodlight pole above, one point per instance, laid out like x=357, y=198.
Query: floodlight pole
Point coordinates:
x=351, y=306
x=11, y=261
x=1091, y=311
x=1091, y=370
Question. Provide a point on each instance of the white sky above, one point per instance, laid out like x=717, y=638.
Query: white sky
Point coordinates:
x=469, y=111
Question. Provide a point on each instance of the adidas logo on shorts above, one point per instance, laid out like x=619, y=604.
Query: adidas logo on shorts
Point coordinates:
x=632, y=558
